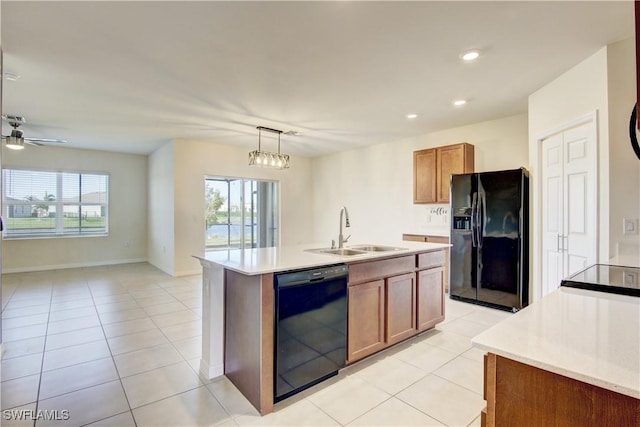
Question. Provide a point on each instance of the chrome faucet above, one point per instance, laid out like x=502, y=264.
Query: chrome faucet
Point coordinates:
x=341, y=239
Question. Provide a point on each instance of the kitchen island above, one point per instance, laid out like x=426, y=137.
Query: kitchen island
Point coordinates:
x=392, y=295
x=571, y=358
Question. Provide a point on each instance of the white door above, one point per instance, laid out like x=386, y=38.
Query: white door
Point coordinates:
x=580, y=198
x=569, y=203
x=552, y=213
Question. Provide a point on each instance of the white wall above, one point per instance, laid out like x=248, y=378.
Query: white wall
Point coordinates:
x=580, y=91
x=376, y=183
x=161, y=244
x=192, y=162
x=127, y=212
x=576, y=93
x=624, y=166
x=604, y=83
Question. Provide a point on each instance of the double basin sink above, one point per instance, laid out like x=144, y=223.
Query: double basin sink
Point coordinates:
x=356, y=250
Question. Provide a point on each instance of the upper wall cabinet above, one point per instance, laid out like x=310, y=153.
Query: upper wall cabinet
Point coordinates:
x=432, y=169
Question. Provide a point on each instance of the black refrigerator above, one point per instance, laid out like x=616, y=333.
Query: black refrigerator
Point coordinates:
x=489, y=255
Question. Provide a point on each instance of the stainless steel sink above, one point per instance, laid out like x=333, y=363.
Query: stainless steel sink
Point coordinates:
x=355, y=250
x=341, y=252
x=344, y=251
x=375, y=248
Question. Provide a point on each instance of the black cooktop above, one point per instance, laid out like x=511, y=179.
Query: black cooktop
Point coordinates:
x=615, y=279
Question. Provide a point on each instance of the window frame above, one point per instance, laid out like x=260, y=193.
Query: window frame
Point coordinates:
x=59, y=230
x=250, y=239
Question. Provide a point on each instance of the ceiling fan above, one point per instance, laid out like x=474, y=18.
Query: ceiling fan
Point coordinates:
x=16, y=140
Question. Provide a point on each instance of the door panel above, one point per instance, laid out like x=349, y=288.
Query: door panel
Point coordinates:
x=430, y=295
x=553, y=215
x=450, y=161
x=581, y=236
x=500, y=202
x=576, y=263
x=365, y=331
x=401, y=307
x=569, y=208
x=576, y=194
x=463, y=254
x=424, y=172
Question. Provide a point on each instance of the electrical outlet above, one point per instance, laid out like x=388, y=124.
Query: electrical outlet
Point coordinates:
x=630, y=226
x=629, y=278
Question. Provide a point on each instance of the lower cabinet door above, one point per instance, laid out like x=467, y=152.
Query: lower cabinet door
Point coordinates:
x=401, y=307
x=430, y=297
x=365, y=334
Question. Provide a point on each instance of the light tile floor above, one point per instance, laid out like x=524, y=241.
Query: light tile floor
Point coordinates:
x=120, y=346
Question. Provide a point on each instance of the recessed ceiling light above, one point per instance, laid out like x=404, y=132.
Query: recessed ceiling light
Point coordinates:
x=470, y=55
x=412, y=116
x=459, y=102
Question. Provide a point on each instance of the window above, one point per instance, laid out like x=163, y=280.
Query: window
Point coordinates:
x=50, y=204
x=240, y=213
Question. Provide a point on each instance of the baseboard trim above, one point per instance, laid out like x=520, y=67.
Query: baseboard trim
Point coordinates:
x=188, y=272
x=74, y=265
x=210, y=372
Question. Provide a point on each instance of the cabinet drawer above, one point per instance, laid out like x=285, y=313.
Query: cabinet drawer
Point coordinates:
x=414, y=238
x=371, y=270
x=437, y=239
x=431, y=259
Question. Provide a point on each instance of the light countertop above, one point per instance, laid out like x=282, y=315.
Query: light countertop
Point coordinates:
x=283, y=258
x=590, y=336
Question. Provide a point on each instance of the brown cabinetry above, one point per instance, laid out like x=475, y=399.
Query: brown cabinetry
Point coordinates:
x=385, y=301
x=400, y=307
x=425, y=238
x=433, y=167
x=430, y=298
x=366, y=319
x=523, y=395
x=434, y=239
x=424, y=177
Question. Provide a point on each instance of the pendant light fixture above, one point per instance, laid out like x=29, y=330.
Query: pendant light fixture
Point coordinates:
x=266, y=159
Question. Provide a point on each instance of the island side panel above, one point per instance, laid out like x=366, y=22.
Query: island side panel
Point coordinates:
x=519, y=394
x=268, y=344
x=248, y=355
x=212, y=359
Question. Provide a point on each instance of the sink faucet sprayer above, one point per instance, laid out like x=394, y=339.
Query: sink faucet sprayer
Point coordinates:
x=341, y=239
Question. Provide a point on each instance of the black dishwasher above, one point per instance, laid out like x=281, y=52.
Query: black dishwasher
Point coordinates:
x=311, y=327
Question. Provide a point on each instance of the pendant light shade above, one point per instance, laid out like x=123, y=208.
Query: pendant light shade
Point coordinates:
x=266, y=159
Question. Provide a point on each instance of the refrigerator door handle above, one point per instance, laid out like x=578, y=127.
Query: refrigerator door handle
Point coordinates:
x=559, y=243
x=474, y=214
x=481, y=215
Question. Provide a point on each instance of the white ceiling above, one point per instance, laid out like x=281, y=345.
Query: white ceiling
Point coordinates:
x=129, y=76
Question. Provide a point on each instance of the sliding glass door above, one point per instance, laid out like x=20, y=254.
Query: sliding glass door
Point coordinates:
x=240, y=213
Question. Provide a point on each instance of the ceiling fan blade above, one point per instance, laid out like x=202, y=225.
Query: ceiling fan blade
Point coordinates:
x=45, y=140
x=32, y=142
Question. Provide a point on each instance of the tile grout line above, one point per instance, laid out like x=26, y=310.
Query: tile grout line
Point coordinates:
x=44, y=350
x=112, y=361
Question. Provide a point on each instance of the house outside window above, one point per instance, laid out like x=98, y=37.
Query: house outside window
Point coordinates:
x=241, y=213
x=39, y=203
